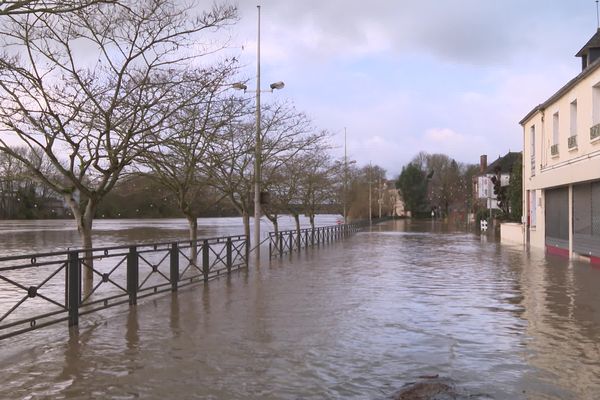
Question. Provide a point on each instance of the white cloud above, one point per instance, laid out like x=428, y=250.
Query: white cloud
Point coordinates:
x=452, y=76
x=443, y=136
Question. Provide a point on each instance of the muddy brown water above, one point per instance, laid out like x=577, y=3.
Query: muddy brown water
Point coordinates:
x=355, y=319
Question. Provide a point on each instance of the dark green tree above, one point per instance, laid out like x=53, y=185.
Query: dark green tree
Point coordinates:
x=515, y=192
x=412, y=184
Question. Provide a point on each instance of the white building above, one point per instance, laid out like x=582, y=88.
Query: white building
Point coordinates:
x=561, y=164
x=484, y=187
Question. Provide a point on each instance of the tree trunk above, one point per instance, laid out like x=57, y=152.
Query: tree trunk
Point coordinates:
x=275, y=223
x=84, y=227
x=246, y=219
x=298, y=239
x=311, y=218
x=85, y=231
x=297, y=220
x=193, y=227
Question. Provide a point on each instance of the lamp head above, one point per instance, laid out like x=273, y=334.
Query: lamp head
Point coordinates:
x=239, y=86
x=277, y=85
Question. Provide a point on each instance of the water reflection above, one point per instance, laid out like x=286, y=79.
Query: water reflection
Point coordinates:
x=355, y=319
x=24, y=237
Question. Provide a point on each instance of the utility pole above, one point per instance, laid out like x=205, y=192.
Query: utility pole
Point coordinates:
x=379, y=195
x=345, y=194
x=257, y=152
x=370, y=172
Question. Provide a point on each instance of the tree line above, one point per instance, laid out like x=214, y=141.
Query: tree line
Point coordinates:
x=99, y=99
x=439, y=186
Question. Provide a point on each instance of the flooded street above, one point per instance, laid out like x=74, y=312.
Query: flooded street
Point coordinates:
x=354, y=319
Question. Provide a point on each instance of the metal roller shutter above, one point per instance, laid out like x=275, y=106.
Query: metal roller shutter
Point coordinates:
x=557, y=218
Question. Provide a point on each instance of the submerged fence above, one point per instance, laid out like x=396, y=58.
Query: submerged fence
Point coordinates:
x=38, y=290
x=285, y=242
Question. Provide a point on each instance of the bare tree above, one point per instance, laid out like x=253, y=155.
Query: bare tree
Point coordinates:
x=318, y=187
x=285, y=132
x=364, y=187
x=90, y=89
x=21, y=7
x=284, y=187
x=182, y=163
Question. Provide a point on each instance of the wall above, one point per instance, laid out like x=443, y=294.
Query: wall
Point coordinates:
x=512, y=233
x=569, y=166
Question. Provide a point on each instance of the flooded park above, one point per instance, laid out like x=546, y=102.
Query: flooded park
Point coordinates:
x=358, y=318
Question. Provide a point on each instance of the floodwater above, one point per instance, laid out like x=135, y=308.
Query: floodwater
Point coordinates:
x=19, y=237
x=354, y=319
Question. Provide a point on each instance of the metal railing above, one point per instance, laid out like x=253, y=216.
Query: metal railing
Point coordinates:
x=554, y=150
x=572, y=143
x=121, y=274
x=286, y=242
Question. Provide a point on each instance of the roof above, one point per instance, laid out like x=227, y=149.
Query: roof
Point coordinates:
x=584, y=74
x=505, y=163
x=594, y=42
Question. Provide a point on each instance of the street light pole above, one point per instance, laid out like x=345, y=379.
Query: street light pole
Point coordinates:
x=258, y=143
x=370, y=172
x=379, y=195
x=345, y=178
x=257, y=152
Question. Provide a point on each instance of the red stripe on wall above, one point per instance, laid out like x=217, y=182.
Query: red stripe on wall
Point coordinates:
x=557, y=251
x=595, y=260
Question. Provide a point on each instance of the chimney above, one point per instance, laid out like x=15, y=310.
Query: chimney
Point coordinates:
x=482, y=163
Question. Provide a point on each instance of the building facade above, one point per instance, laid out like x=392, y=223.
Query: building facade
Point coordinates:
x=483, y=184
x=561, y=165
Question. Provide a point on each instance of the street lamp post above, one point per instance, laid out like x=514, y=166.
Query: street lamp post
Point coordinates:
x=370, y=171
x=379, y=196
x=345, y=179
x=258, y=143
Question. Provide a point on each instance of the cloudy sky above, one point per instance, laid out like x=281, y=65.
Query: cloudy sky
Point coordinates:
x=449, y=76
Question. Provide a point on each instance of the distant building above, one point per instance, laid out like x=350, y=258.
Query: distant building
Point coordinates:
x=396, y=202
x=561, y=175
x=483, y=185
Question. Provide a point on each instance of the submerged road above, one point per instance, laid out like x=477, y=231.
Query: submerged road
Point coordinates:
x=354, y=319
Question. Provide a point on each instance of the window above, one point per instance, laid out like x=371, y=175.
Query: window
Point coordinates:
x=555, y=123
x=596, y=104
x=532, y=208
x=572, y=142
x=532, y=139
x=574, y=118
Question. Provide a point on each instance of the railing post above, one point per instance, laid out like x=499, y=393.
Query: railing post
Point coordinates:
x=312, y=237
x=280, y=237
x=291, y=243
x=205, y=260
x=73, y=288
x=132, y=275
x=270, y=246
x=230, y=255
x=247, y=251
x=174, y=262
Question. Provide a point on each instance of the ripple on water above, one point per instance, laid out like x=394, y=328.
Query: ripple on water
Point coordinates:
x=356, y=319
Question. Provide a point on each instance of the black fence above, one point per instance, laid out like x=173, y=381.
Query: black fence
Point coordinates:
x=285, y=242
x=38, y=290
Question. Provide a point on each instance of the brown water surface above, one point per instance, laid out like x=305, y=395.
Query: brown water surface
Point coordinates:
x=355, y=319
